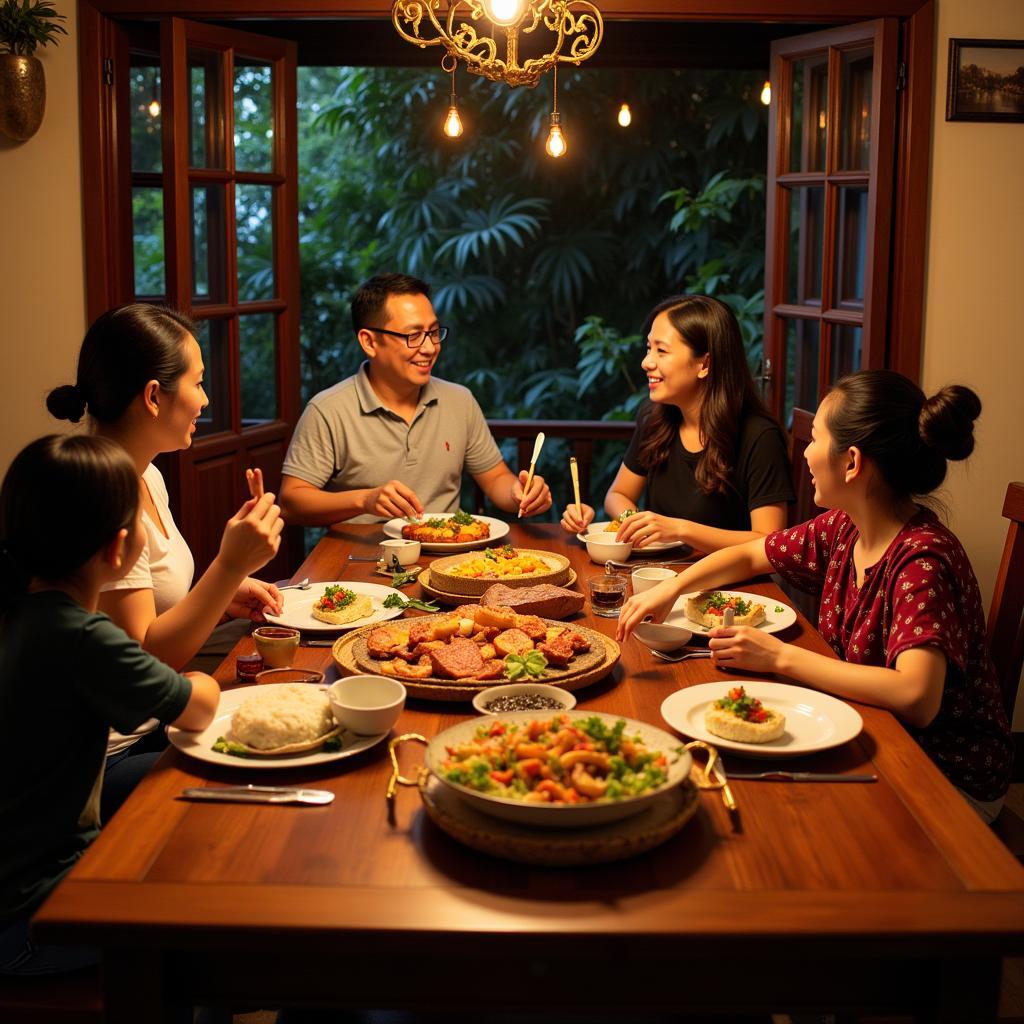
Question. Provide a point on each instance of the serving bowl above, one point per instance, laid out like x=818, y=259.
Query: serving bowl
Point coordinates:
x=660, y=636
x=581, y=815
x=513, y=690
x=367, y=705
x=603, y=546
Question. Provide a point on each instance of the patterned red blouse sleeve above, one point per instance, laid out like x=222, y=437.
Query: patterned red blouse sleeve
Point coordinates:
x=800, y=554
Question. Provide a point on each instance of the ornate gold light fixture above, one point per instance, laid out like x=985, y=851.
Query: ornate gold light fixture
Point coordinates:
x=469, y=30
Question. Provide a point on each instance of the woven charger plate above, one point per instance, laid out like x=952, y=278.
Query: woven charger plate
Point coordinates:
x=559, y=847
x=426, y=581
x=350, y=655
x=474, y=586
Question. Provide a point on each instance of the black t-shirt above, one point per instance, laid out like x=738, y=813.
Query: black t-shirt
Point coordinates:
x=760, y=476
x=66, y=676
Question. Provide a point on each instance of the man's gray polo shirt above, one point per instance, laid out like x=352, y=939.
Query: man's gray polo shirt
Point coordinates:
x=347, y=439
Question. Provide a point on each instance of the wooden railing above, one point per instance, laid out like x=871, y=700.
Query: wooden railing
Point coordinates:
x=582, y=433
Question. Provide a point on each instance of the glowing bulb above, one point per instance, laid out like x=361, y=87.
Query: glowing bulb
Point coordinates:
x=556, y=145
x=154, y=108
x=504, y=12
x=766, y=94
x=625, y=115
x=821, y=119
x=453, y=123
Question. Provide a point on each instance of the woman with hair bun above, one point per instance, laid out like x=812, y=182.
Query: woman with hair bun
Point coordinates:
x=710, y=458
x=900, y=604
x=140, y=379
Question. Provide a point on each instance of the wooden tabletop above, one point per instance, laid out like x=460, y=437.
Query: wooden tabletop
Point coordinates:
x=889, y=895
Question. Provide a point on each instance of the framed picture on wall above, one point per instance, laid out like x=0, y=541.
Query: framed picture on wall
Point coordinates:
x=986, y=80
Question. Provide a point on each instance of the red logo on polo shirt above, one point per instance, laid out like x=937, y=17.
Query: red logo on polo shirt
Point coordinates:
x=447, y=447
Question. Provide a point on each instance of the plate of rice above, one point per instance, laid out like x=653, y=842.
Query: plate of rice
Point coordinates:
x=354, y=604
x=278, y=725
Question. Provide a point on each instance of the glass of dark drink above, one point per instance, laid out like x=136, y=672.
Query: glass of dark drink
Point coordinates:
x=607, y=595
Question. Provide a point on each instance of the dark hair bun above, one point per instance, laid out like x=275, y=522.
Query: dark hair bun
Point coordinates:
x=66, y=403
x=946, y=423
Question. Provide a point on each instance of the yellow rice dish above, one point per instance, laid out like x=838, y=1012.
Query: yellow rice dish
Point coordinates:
x=500, y=563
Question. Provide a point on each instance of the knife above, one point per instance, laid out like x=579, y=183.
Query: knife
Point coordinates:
x=259, y=794
x=778, y=776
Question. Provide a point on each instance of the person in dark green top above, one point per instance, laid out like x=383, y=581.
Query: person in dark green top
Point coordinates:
x=68, y=524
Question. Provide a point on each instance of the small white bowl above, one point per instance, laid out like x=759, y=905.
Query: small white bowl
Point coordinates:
x=660, y=636
x=604, y=546
x=649, y=576
x=367, y=705
x=484, y=697
x=408, y=551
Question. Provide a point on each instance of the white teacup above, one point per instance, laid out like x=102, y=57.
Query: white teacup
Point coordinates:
x=408, y=551
x=368, y=705
x=649, y=576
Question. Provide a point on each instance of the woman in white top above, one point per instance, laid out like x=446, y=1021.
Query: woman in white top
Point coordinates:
x=140, y=378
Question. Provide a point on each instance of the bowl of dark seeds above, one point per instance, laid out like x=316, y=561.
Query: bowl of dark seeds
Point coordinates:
x=539, y=697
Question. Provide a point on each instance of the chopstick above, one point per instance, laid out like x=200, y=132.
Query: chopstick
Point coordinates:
x=574, y=470
x=537, y=445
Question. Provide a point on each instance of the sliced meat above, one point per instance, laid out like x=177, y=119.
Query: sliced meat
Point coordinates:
x=420, y=632
x=503, y=618
x=512, y=641
x=558, y=651
x=544, y=600
x=381, y=642
x=531, y=626
x=459, y=659
x=578, y=640
x=492, y=670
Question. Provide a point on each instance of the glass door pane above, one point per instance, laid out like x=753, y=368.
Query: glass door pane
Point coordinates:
x=215, y=343
x=809, y=114
x=802, y=358
x=254, y=115
x=146, y=107
x=257, y=352
x=209, y=273
x=806, y=238
x=254, y=227
x=855, y=92
x=206, y=108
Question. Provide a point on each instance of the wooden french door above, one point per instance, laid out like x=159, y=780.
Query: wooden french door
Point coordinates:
x=829, y=209
x=214, y=231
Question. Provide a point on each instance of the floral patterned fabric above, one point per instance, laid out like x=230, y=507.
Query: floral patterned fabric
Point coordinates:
x=922, y=591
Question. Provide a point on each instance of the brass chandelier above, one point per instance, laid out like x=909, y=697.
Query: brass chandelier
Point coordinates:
x=469, y=29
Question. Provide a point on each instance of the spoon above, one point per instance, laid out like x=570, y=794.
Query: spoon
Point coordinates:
x=301, y=585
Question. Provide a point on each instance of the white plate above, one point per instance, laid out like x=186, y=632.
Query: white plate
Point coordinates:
x=645, y=550
x=814, y=721
x=298, y=607
x=499, y=530
x=200, y=744
x=567, y=815
x=774, y=622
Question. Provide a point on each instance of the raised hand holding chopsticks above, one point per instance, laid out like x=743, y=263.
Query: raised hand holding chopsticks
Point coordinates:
x=530, y=492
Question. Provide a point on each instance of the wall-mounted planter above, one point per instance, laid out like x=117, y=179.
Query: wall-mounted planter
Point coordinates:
x=22, y=96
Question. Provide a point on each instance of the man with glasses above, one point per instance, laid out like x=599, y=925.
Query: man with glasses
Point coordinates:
x=393, y=440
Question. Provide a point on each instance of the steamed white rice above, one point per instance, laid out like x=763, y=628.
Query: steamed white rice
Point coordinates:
x=289, y=713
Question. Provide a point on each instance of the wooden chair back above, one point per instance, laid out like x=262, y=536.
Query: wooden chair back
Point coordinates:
x=1006, y=614
x=799, y=438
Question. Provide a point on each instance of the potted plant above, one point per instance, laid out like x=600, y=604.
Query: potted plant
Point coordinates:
x=23, y=27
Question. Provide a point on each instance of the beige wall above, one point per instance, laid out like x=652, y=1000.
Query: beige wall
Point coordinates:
x=974, y=297
x=974, y=318
x=42, y=286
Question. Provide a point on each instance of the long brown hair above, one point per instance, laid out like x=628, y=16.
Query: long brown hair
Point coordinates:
x=708, y=328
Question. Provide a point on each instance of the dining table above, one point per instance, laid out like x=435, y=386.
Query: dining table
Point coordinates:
x=890, y=896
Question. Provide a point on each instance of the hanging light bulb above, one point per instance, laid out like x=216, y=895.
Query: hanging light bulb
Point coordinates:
x=453, y=122
x=154, y=107
x=504, y=12
x=766, y=94
x=625, y=115
x=556, y=144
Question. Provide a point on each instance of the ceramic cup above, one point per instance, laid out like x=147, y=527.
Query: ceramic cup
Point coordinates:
x=408, y=551
x=649, y=576
x=367, y=705
x=277, y=645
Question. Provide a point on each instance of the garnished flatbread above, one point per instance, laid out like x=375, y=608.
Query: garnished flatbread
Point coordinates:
x=708, y=607
x=339, y=605
x=743, y=719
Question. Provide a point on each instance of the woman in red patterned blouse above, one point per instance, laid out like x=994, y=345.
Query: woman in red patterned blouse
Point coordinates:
x=900, y=604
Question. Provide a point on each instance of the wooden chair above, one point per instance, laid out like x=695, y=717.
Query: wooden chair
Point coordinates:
x=1006, y=614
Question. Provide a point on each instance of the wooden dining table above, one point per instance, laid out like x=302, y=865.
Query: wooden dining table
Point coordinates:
x=889, y=896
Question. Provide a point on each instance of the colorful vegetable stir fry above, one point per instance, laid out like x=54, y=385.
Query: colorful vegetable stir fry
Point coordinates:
x=557, y=761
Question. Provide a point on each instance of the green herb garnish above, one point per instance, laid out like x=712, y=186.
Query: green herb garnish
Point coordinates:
x=332, y=744
x=779, y=608
x=397, y=601
x=462, y=518
x=331, y=596
x=226, y=746
x=532, y=663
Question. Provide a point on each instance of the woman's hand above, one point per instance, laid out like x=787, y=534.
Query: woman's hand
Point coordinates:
x=643, y=528
x=252, y=536
x=653, y=604
x=577, y=523
x=745, y=647
x=253, y=598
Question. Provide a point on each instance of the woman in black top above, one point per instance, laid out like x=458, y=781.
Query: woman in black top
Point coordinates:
x=712, y=459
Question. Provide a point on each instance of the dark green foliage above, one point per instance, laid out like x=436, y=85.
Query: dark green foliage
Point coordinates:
x=26, y=25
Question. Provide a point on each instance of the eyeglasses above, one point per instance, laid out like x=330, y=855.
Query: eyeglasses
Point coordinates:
x=416, y=338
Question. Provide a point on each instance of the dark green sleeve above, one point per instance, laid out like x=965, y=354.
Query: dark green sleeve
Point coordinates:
x=121, y=682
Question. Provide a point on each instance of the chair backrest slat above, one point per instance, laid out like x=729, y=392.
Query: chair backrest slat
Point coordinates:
x=799, y=438
x=1006, y=614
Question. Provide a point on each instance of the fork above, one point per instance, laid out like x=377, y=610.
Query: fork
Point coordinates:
x=301, y=585
x=679, y=657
